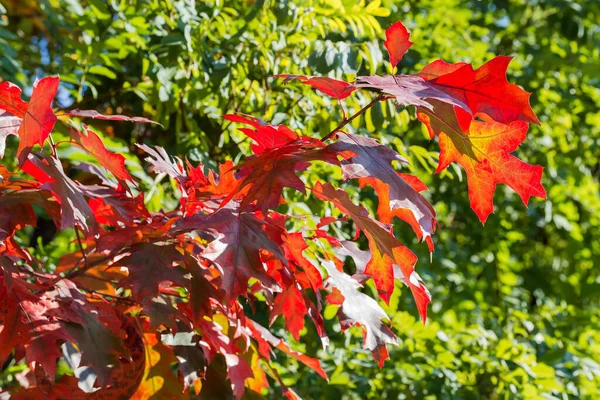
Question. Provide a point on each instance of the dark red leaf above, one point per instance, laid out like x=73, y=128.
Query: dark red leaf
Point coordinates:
x=74, y=210
x=240, y=237
x=96, y=115
x=331, y=87
x=149, y=265
x=263, y=177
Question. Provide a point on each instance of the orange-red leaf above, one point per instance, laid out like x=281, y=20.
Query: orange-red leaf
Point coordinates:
x=485, y=90
x=92, y=143
x=74, y=210
x=39, y=118
x=292, y=306
x=483, y=150
x=264, y=135
x=397, y=42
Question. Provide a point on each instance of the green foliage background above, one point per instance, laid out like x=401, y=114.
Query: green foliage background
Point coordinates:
x=516, y=304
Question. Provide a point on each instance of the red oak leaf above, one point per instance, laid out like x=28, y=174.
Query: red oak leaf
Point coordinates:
x=96, y=115
x=263, y=177
x=292, y=306
x=162, y=163
x=264, y=135
x=149, y=265
x=397, y=42
x=358, y=308
x=206, y=193
x=94, y=326
x=386, y=250
x=438, y=68
x=24, y=321
x=74, y=210
x=115, y=206
x=10, y=99
x=240, y=237
x=366, y=158
x=484, y=152
x=38, y=120
x=294, y=245
x=331, y=87
x=91, y=142
x=410, y=90
x=485, y=90
x=12, y=219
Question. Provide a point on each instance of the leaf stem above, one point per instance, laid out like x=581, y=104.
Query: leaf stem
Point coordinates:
x=85, y=260
x=52, y=145
x=346, y=121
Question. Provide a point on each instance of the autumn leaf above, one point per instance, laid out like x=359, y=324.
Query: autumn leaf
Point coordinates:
x=265, y=136
x=486, y=90
x=91, y=142
x=94, y=327
x=74, y=210
x=149, y=265
x=366, y=158
x=292, y=306
x=484, y=152
x=158, y=380
x=38, y=120
x=9, y=125
x=162, y=163
x=10, y=99
x=11, y=220
x=110, y=117
x=240, y=237
x=331, y=87
x=409, y=90
x=397, y=42
x=263, y=177
x=25, y=323
x=358, y=308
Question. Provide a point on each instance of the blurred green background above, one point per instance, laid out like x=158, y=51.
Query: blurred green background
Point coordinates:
x=516, y=304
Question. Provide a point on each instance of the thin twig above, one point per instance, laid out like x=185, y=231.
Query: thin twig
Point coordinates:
x=85, y=260
x=346, y=121
x=344, y=115
x=52, y=145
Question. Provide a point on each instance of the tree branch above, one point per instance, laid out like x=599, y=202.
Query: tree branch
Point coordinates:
x=346, y=121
